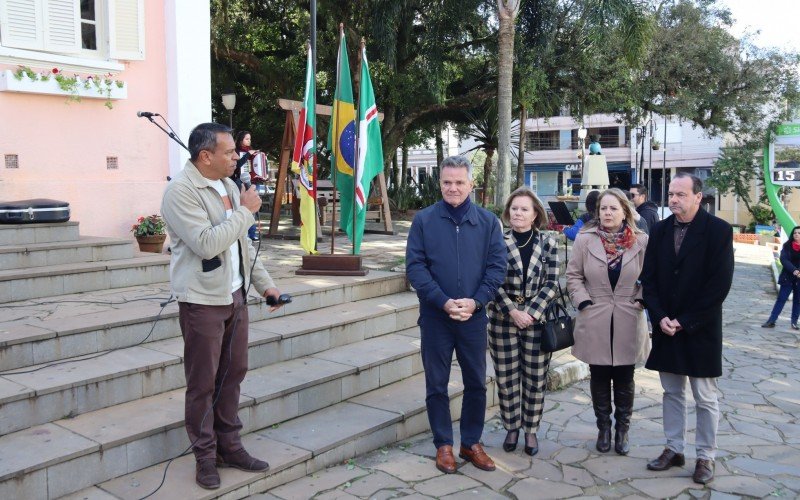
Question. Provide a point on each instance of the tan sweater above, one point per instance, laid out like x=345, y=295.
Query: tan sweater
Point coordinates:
x=198, y=229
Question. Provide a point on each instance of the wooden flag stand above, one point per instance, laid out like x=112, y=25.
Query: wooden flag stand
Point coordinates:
x=319, y=264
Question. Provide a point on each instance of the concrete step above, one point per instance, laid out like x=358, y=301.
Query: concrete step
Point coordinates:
x=87, y=249
x=90, y=383
x=46, y=281
x=67, y=455
x=22, y=234
x=300, y=446
x=41, y=331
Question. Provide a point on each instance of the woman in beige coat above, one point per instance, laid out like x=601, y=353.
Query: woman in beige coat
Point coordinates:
x=610, y=330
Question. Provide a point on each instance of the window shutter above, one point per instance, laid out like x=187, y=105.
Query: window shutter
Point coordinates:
x=126, y=29
x=62, y=23
x=21, y=24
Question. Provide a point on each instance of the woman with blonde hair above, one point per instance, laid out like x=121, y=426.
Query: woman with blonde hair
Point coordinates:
x=514, y=318
x=610, y=329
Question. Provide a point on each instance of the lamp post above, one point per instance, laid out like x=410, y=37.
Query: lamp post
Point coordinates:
x=229, y=101
x=582, y=140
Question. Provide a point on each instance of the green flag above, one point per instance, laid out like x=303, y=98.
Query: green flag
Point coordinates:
x=342, y=136
x=370, y=151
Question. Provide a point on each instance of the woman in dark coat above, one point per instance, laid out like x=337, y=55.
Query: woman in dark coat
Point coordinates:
x=246, y=155
x=514, y=327
x=789, y=280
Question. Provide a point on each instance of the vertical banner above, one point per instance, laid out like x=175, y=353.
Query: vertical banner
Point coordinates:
x=342, y=136
x=370, y=150
x=304, y=163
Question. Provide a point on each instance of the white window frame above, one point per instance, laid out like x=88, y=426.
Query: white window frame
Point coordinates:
x=101, y=31
x=104, y=59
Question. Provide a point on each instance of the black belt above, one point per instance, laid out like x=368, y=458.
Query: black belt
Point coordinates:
x=519, y=299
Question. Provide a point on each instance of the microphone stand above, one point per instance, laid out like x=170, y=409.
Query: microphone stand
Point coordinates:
x=170, y=133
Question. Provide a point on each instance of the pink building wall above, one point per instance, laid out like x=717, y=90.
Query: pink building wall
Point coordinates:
x=62, y=146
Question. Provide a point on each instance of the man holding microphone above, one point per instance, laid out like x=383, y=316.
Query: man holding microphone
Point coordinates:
x=212, y=267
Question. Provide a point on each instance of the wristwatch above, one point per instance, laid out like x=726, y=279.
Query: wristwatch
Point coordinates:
x=478, y=305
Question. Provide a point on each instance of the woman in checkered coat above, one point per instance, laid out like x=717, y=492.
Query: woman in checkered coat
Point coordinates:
x=610, y=328
x=514, y=329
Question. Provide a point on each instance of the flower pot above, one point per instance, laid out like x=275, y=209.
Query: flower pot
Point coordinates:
x=153, y=243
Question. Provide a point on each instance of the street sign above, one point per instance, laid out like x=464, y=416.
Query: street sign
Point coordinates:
x=784, y=155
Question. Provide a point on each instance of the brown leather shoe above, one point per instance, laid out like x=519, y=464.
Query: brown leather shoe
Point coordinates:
x=703, y=471
x=477, y=456
x=243, y=461
x=445, y=461
x=667, y=459
x=207, y=476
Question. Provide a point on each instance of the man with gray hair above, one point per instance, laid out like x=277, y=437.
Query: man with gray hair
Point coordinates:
x=211, y=268
x=455, y=260
x=687, y=273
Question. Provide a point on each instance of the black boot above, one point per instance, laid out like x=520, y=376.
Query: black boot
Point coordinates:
x=601, y=401
x=623, y=408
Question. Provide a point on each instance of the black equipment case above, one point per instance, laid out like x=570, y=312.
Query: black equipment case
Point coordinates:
x=33, y=211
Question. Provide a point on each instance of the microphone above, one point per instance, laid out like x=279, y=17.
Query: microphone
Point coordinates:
x=282, y=299
x=146, y=114
x=245, y=178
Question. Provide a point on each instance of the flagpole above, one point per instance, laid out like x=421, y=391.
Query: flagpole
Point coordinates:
x=314, y=130
x=358, y=153
x=335, y=141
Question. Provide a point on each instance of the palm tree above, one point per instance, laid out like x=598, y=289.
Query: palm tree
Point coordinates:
x=507, y=11
x=483, y=128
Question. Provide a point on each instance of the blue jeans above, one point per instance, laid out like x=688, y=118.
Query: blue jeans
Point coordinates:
x=783, y=295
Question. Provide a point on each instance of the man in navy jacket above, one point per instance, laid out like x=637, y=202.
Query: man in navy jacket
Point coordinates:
x=455, y=260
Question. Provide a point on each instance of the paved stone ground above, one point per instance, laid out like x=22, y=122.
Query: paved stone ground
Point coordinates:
x=759, y=433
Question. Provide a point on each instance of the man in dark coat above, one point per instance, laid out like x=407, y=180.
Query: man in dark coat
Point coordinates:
x=455, y=260
x=688, y=270
x=644, y=207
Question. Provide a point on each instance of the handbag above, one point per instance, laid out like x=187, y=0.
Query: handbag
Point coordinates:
x=558, y=325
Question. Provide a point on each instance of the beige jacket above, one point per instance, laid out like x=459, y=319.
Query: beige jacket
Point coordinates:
x=587, y=279
x=198, y=230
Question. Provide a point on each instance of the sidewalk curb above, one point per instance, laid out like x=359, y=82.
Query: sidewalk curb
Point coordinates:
x=565, y=374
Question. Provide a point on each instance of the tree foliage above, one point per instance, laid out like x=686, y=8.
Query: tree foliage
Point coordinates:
x=435, y=61
x=429, y=60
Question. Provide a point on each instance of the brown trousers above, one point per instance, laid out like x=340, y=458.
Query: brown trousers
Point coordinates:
x=215, y=362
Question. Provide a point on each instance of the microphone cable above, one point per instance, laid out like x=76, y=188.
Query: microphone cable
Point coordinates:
x=99, y=354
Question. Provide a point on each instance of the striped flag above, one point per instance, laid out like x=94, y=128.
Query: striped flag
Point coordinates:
x=304, y=163
x=370, y=151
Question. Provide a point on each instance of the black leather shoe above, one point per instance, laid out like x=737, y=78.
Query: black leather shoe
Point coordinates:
x=703, y=471
x=621, y=445
x=667, y=459
x=603, y=440
x=531, y=444
x=510, y=443
x=795, y=327
x=768, y=324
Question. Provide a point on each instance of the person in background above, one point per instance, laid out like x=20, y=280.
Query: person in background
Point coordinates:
x=515, y=330
x=610, y=330
x=245, y=163
x=646, y=208
x=640, y=222
x=591, y=205
x=789, y=281
x=455, y=260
